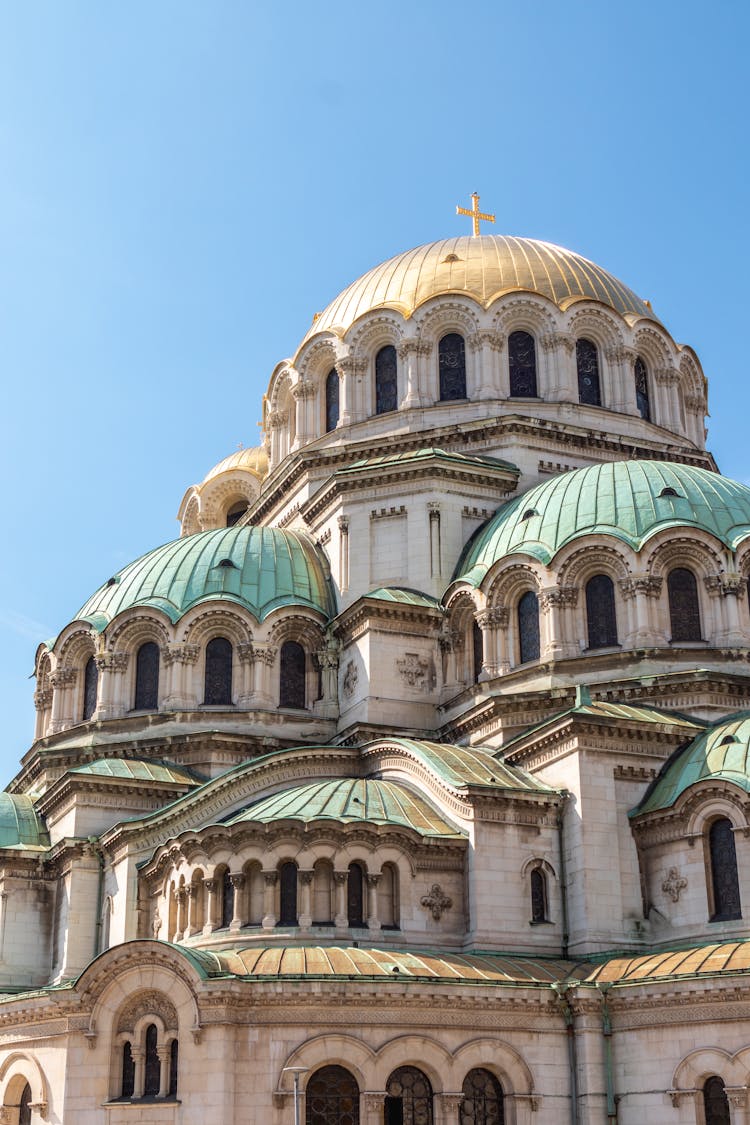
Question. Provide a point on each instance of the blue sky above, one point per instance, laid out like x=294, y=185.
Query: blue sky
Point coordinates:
x=183, y=185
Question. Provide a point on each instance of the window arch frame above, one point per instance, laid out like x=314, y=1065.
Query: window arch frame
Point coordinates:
x=720, y=903
x=723, y=1117
x=335, y=1114
x=524, y=656
x=444, y=367
x=585, y=343
x=612, y=632
x=289, y=646
x=228, y=670
x=139, y=690
x=483, y=1118
x=403, y=1118
x=674, y=607
x=379, y=377
x=331, y=403
x=516, y=370
x=89, y=689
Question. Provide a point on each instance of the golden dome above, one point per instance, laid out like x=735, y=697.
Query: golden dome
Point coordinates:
x=253, y=460
x=482, y=267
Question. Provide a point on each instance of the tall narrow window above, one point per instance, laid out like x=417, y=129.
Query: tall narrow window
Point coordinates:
x=684, y=611
x=24, y=1106
x=587, y=362
x=725, y=886
x=292, y=675
x=147, y=677
x=153, y=1064
x=522, y=365
x=715, y=1102
x=452, y=366
x=90, y=686
x=173, y=1063
x=600, y=612
x=128, y=1071
x=218, y=672
x=355, y=896
x=227, y=901
x=386, y=385
x=288, y=894
x=408, y=1098
x=538, y=886
x=477, y=651
x=528, y=627
x=332, y=400
x=332, y=1097
x=642, y=400
x=483, y=1102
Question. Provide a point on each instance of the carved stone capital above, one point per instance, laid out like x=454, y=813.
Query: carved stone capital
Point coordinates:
x=305, y=877
x=413, y=347
x=351, y=365
x=725, y=584
x=555, y=340
x=245, y=652
x=177, y=653
x=495, y=341
x=372, y=880
x=666, y=376
x=340, y=877
x=237, y=879
x=63, y=677
x=558, y=596
x=270, y=878
x=210, y=885
x=619, y=354
x=266, y=654
x=304, y=389
x=112, y=661
x=695, y=404
x=275, y=419
x=42, y=699
x=375, y=1100
x=343, y=523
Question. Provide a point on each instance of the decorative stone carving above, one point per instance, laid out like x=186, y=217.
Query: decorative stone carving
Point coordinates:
x=112, y=661
x=180, y=653
x=493, y=340
x=554, y=340
x=63, y=677
x=351, y=675
x=436, y=901
x=674, y=884
x=415, y=670
x=156, y=925
x=413, y=347
x=147, y=1004
x=558, y=596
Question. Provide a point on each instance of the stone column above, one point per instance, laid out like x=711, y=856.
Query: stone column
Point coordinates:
x=246, y=658
x=487, y=347
x=305, y=915
x=373, y=1105
x=192, y=897
x=436, y=547
x=181, y=896
x=139, y=1078
x=373, y=922
x=328, y=659
x=556, y=378
x=275, y=422
x=667, y=413
x=62, y=681
x=554, y=604
x=449, y=642
x=264, y=659
x=409, y=353
x=270, y=879
x=110, y=703
x=641, y=591
x=622, y=381
x=351, y=371
x=238, y=882
x=163, y=1056
x=695, y=407
x=726, y=590
x=343, y=525
x=303, y=393
x=211, y=887
x=42, y=703
x=447, y=1106
x=341, y=921
x=181, y=692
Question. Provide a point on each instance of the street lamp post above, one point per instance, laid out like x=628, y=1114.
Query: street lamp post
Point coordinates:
x=296, y=1071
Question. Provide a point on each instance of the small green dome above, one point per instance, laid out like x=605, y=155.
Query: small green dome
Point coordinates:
x=629, y=500
x=20, y=825
x=259, y=568
x=722, y=751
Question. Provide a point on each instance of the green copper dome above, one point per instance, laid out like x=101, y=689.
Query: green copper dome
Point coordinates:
x=20, y=826
x=629, y=500
x=722, y=751
x=259, y=568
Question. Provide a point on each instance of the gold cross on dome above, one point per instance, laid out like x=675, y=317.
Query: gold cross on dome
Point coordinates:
x=475, y=213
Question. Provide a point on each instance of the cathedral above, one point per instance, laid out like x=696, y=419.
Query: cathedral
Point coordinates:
x=409, y=784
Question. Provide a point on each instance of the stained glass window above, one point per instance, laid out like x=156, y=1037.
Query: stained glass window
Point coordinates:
x=452, y=365
x=477, y=642
x=715, y=1102
x=724, y=882
x=587, y=362
x=332, y=1097
x=227, y=901
x=522, y=364
x=24, y=1107
x=642, y=400
x=153, y=1065
x=600, y=611
x=128, y=1071
x=218, y=672
x=684, y=611
x=332, y=400
x=288, y=894
x=483, y=1099
x=386, y=386
x=409, y=1098
x=528, y=627
x=147, y=677
x=90, y=685
x=173, y=1062
x=292, y=675
x=538, y=895
x=355, y=896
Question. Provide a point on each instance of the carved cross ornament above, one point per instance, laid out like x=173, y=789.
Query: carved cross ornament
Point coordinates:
x=674, y=884
x=436, y=901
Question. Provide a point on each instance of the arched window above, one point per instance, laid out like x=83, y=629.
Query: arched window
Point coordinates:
x=173, y=1064
x=528, y=627
x=386, y=384
x=483, y=1102
x=236, y=512
x=24, y=1106
x=452, y=366
x=292, y=675
x=715, y=1102
x=538, y=887
x=725, y=886
x=218, y=686
x=684, y=610
x=332, y=400
x=477, y=651
x=642, y=400
x=522, y=365
x=600, y=611
x=332, y=1097
x=288, y=894
x=408, y=1098
x=90, y=686
x=388, y=913
x=147, y=677
x=128, y=1071
x=355, y=904
x=227, y=901
x=152, y=1069
x=587, y=362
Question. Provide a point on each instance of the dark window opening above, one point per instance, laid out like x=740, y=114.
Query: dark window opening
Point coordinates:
x=642, y=400
x=528, y=627
x=587, y=363
x=684, y=609
x=355, y=903
x=522, y=365
x=24, y=1106
x=715, y=1102
x=538, y=884
x=236, y=512
x=452, y=367
x=477, y=646
x=173, y=1053
x=90, y=686
x=147, y=677
x=227, y=901
x=288, y=894
x=128, y=1071
x=725, y=884
x=332, y=400
x=218, y=685
x=153, y=1065
x=600, y=612
x=386, y=380
x=408, y=1098
x=292, y=675
x=483, y=1102
x=332, y=1097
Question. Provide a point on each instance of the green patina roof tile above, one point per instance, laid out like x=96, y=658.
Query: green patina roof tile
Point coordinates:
x=20, y=825
x=140, y=769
